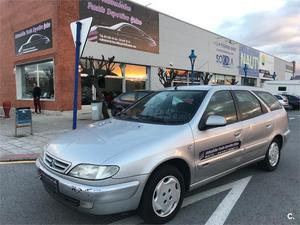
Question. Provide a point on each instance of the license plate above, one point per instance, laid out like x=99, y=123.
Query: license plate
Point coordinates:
x=50, y=182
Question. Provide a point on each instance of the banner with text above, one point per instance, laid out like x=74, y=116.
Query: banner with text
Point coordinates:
x=34, y=38
x=266, y=66
x=250, y=57
x=224, y=56
x=122, y=23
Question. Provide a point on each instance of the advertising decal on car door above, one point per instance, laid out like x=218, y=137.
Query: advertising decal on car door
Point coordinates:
x=34, y=38
x=122, y=23
x=219, y=150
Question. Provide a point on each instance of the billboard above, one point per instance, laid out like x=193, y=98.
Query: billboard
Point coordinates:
x=224, y=56
x=250, y=57
x=266, y=66
x=122, y=23
x=34, y=38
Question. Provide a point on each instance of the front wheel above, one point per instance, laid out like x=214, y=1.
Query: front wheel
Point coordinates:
x=272, y=157
x=163, y=195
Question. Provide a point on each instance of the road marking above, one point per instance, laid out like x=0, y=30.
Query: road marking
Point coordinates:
x=292, y=118
x=220, y=215
x=16, y=162
x=223, y=210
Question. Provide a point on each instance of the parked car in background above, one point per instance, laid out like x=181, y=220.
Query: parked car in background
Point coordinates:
x=283, y=101
x=168, y=143
x=294, y=101
x=125, y=100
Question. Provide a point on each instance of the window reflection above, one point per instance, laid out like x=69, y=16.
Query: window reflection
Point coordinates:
x=40, y=73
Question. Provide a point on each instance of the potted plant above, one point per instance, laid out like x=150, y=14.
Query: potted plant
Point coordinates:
x=6, y=107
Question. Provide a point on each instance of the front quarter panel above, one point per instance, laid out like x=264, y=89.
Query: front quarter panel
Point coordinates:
x=177, y=144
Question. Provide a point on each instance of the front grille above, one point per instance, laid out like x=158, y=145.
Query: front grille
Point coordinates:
x=55, y=163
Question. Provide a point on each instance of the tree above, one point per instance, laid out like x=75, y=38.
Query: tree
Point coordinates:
x=206, y=77
x=97, y=69
x=166, y=78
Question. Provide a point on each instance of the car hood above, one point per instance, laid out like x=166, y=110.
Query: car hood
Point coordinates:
x=98, y=142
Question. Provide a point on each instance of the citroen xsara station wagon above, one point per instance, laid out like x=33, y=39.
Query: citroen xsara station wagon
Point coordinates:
x=166, y=144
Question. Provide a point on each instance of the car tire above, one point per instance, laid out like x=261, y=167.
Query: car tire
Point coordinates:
x=272, y=157
x=168, y=184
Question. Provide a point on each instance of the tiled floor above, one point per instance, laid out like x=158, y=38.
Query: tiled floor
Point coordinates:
x=45, y=127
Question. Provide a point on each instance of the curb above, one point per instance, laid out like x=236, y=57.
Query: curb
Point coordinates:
x=19, y=157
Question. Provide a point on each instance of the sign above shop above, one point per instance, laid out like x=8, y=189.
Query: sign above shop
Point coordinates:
x=224, y=56
x=266, y=66
x=250, y=57
x=34, y=38
x=122, y=23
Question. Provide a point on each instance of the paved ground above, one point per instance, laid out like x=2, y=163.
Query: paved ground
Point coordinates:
x=257, y=197
x=26, y=146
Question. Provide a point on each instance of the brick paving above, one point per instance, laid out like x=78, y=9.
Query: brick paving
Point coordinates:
x=27, y=146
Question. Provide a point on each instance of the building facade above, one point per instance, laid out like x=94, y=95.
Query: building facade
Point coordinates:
x=37, y=46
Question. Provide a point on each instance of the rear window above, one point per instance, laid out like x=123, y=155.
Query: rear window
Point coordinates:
x=128, y=97
x=281, y=88
x=278, y=97
x=269, y=99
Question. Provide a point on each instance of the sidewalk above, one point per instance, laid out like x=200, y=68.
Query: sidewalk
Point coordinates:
x=45, y=127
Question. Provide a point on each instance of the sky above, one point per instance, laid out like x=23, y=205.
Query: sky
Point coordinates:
x=272, y=26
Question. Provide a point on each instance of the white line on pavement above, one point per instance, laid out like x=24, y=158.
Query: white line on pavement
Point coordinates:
x=223, y=210
x=220, y=214
x=16, y=162
x=292, y=118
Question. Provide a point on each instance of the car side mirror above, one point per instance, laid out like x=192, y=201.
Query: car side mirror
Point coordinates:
x=215, y=121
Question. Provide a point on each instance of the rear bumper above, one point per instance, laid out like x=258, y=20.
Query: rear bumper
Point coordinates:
x=100, y=200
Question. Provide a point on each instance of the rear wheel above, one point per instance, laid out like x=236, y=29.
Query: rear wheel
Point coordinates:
x=272, y=157
x=163, y=195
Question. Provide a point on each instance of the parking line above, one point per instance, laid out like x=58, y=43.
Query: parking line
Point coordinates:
x=16, y=162
x=220, y=215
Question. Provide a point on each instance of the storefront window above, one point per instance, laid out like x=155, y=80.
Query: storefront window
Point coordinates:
x=249, y=81
x=40, y=73
x=222, y=79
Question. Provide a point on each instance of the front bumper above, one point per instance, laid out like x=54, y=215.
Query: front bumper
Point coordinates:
x=286, y=136
x=100, y=200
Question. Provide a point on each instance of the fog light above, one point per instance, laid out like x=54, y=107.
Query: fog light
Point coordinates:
x=86, y=205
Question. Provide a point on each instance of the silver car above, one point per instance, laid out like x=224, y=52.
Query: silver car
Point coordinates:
x=169, y=142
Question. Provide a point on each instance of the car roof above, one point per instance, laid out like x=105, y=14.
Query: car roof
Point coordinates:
x=216, y=87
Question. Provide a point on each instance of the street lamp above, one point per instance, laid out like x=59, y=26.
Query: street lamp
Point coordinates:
x=192, y=57
x=245, y=71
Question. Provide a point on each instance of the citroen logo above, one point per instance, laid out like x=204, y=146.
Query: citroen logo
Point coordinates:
x=52, y=163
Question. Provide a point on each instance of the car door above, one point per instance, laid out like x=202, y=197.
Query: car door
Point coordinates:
x=218, y=149
x=257, y=125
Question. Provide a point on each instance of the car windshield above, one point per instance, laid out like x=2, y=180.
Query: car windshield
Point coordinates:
x=166, y=107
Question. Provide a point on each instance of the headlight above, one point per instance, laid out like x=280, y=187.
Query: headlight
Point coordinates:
x=93, y=172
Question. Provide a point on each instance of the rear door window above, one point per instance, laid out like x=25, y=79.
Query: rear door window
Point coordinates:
x=269, y=99
x=222, y=104
x=249, y=105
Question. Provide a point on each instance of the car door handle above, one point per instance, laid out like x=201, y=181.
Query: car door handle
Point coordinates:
x=269, y=125
x=237, y=134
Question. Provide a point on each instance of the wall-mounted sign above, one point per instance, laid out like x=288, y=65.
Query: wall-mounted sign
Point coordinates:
x=250, y=57
x=34, y=38
x=224, y=56
x=122, y=23
x=266, y=66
